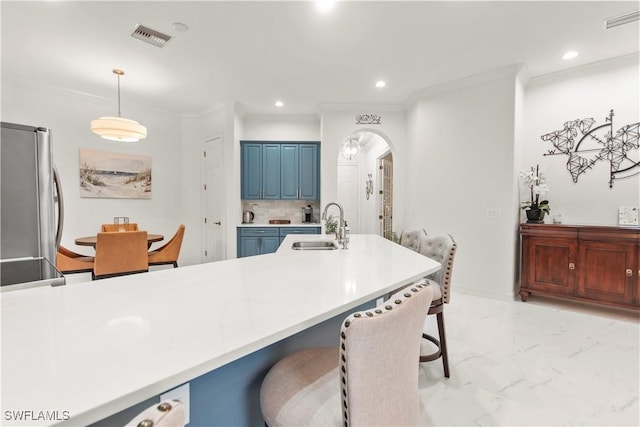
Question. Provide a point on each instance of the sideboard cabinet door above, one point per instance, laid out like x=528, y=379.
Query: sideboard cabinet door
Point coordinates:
x=606, y=272
x=549, y=266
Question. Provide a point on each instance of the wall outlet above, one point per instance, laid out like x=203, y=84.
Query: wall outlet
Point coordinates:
x=182, y=394
x=254, y=207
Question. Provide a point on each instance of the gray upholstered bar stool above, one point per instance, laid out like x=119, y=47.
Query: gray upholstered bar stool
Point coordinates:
x=371, y=379
x=411, y=239
x=441, y=248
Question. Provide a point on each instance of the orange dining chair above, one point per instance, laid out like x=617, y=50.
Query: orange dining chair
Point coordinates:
x=132, y=226
x=120, y=253
x=69, y=262
x=168, y=253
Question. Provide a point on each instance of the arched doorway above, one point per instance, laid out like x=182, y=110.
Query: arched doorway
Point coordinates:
x=365, y=184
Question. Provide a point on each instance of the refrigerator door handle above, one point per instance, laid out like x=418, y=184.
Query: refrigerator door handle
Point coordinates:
x=60, y=200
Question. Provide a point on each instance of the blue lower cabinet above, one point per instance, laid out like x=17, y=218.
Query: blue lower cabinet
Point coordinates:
x=257, y=240
x=284, y=231
x=266, y=240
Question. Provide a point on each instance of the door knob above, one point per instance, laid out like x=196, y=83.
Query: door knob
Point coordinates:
x=218, y=223
x=572, y=266
x=629, y=272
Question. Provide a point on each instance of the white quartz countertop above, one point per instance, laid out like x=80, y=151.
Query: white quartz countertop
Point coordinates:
x=253, y=224
x=95, y=348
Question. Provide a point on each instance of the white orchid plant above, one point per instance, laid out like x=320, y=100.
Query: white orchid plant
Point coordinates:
x=535, y=181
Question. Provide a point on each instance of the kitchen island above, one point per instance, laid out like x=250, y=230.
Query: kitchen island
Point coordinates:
x=88, y=350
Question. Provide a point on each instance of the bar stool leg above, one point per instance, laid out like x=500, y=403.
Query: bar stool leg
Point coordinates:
x=443, y=344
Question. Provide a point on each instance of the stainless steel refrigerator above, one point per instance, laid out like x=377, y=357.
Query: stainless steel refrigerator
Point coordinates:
x=31, y=223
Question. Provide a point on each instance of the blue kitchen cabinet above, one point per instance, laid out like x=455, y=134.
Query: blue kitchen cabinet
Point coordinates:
x=266, y=240
x=289, y=188
x=271, y=171
x=280, y=171
x=257, y=240
x=284, y=231
x=300, y=177
x=251, y=161
x=309, y=175
x=260, y=171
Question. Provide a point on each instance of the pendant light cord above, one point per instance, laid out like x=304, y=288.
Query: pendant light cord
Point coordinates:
x=118, y=73
x=118, y=94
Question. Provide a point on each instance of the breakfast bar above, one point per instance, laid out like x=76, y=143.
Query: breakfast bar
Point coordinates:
x=86, y=351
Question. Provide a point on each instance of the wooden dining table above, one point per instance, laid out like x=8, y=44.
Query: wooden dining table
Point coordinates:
x=91, y=240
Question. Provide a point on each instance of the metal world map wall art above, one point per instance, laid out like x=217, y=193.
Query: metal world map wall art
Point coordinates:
x=596, y=144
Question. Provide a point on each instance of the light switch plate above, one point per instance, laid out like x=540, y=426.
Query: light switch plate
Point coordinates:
x=182, y=394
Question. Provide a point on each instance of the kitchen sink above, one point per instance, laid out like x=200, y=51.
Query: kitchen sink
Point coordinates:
x=314, y=246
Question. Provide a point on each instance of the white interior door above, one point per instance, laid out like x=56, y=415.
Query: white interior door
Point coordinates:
x=214, y=241
x=348, y=195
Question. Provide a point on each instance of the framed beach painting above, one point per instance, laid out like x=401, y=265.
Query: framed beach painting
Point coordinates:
x=105, y=174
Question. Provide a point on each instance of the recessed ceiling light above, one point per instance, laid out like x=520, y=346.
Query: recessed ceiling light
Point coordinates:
x=325, y=6
x=179, y=26
x=570, y=55
x=381, y=83
x=279, y=104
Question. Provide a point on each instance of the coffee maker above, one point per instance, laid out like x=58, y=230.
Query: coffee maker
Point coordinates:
x=307, y=214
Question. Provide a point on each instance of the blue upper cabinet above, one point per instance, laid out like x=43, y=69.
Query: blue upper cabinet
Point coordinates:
x=251, y=159
x=271, y=171
x=300, y=179
x=309, y=176
x=290, y=171
x=280, y=171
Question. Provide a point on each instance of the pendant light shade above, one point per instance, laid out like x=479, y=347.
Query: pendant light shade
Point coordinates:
x=118, y=128
x=350, y=148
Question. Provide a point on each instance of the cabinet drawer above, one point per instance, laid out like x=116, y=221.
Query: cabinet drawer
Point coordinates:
x=258, y=232
x=298, y=230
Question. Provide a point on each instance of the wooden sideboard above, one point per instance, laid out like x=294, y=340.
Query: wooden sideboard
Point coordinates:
x=599, y=264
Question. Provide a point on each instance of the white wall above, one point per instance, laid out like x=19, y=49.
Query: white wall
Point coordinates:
x=280, y=128
x=460, y=163
x=68, y=113
x=577, y=94
x=338, y=123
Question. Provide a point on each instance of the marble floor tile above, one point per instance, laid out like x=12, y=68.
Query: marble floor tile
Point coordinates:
x=539, y=363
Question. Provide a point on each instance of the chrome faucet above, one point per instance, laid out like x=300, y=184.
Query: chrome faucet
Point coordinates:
x=340, y=234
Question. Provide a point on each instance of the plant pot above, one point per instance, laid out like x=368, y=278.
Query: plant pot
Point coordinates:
x=535, y=216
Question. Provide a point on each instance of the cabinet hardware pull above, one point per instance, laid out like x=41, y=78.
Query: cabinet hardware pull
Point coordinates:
x=629, y=272
x=572, y=266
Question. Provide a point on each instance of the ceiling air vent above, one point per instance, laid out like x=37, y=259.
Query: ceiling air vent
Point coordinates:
x=150, y=36
x=622, y=19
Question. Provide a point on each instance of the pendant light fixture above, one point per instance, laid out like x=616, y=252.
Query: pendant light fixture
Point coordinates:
x=350, y=148
x=118, y=128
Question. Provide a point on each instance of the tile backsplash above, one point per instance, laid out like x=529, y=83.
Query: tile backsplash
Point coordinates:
x=280, y=209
